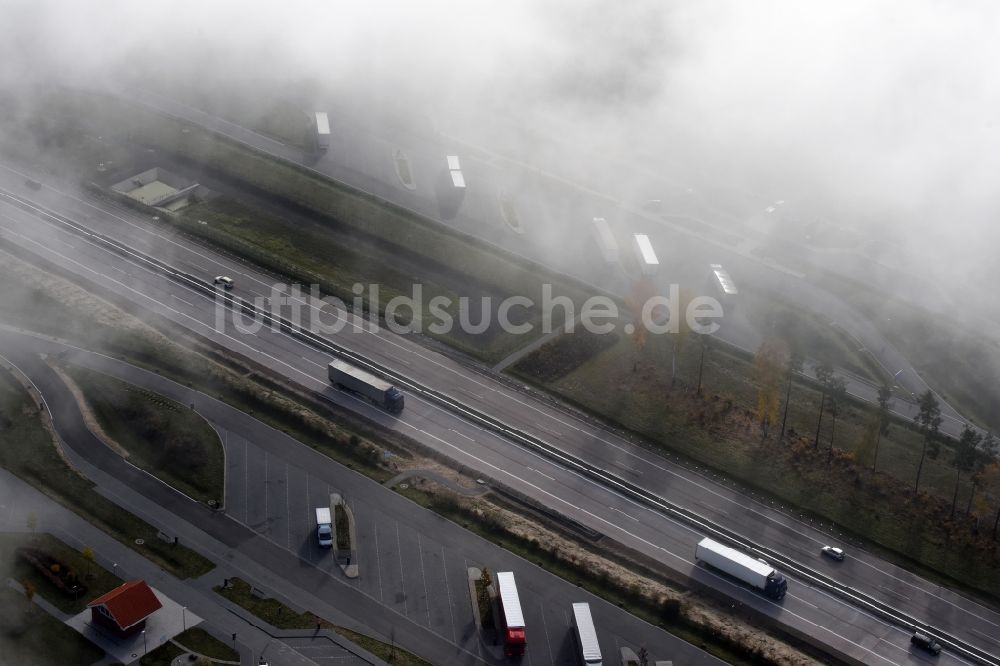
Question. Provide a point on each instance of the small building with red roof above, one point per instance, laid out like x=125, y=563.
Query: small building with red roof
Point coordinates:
x=123, y=610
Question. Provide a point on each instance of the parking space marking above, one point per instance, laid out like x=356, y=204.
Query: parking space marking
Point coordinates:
x=246, y=485
x=402, y=581
x=447, y=590
x=423, y=577
x=545, y=628
x=267, y=482
x=288, y=513
x=378, y=560
x=624, y=514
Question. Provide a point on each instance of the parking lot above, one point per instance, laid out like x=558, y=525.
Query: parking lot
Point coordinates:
x=415, y=563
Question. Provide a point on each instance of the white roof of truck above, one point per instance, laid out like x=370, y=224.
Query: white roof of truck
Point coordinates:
x=322, y=123
x=724, y=279
x=453, y=163
x=588, y=635
x=646, y=250
x=457, y=179
x=511, y=602
x=606, y=239
x=323, y=515
x=760, y=568
x=363, y=375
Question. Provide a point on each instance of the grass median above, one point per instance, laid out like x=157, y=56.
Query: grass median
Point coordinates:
x=631, y=387
x=71, y=562
x=30, y=453
x=194, y=640
x=168, y=440
x=29, y=635
x=277, y=614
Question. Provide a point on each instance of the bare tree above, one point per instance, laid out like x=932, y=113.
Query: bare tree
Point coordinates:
x=706, y=341
x=793, y=367
x=838, y=397
x=824, y=373
x=964, y=458
x=989, y=481
x=928, y=419
x=884, y=405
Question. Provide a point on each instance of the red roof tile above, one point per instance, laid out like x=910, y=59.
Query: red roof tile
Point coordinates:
x=129, y=603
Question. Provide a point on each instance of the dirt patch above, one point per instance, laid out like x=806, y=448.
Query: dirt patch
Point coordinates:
x=563, y=355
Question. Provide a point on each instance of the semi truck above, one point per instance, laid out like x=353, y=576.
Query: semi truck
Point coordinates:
x=645, y=255
x=382, y=393
x=322, y=131
x=586, y=635
x=511, y=617
x=324, y=527
x=605, y=240
x=741, y=566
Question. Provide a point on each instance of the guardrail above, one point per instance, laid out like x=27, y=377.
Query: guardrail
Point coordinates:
x=609, y=480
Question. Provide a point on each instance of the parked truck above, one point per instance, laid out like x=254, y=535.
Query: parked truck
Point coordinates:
x=741, y=566
x=586, y=635
x=382, y=393
x=511, y=617
x=324, y=527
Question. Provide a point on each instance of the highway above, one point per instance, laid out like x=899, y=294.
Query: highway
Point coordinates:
x=413, y=564
x=556, y=214
x=807, y=610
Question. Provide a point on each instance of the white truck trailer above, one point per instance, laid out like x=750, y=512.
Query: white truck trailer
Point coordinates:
x=512, y=617
x=645, y=255
x=322, y=131
x=741, y=566
x=605, y=240
x=586, y=635
x=382, y=393
x=324, y=527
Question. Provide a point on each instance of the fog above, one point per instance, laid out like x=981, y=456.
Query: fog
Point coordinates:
x=880, y=116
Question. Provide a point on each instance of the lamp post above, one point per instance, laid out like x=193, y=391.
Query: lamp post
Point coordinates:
x=144, y=647
x=184, y=617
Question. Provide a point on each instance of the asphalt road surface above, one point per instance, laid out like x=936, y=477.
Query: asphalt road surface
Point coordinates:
x=807, y=610
x=556, y=213
x=413, y=584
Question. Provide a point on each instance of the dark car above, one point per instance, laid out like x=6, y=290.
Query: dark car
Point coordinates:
x=925, y=642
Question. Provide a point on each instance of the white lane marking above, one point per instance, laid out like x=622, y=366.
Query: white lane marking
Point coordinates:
x=991, y=639
x=630, y=470
x=423, y=577
x=378, y=559
x=498, y=392
x=461, y=434
x=467, y=392
x=615, y=527
x=624, y=514
x=402, y=581
x=318, y=365
x=641, y=540
x=447, y=591
x=893, y=592
x=550, y=478
x=181, y=300
x=397, y=358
